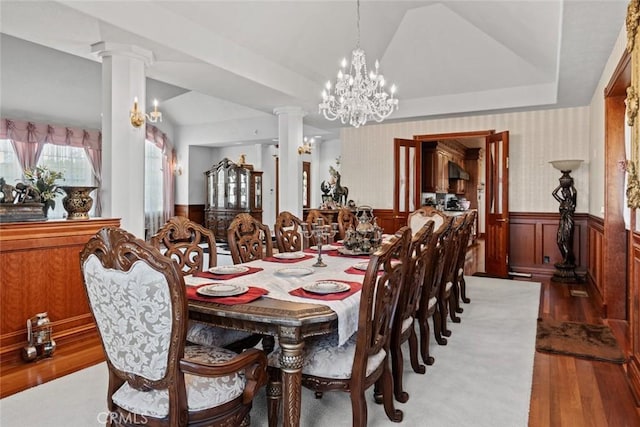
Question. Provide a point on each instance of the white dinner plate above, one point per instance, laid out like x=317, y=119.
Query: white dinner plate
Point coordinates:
x=325, y=248
x=364, y=265
x=229, y=269
x=326, y=287
x=295, y=271
x=289, y=255
x=222, y=290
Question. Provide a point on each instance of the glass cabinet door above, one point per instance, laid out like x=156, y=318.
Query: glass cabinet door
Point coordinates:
x=211, y=189
x=219, y=184
x=244, y=188
x=258, y=192
x=232, y=189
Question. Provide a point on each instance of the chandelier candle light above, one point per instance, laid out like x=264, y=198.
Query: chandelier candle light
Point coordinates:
x=358, y=97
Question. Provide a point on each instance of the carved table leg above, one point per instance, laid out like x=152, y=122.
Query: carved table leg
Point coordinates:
x=291, y=367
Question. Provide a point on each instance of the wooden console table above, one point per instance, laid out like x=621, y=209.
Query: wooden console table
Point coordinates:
x=40, y=271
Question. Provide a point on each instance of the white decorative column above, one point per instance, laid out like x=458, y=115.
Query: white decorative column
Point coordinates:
x=290, y=133
x=317, y=176
x=123, y=79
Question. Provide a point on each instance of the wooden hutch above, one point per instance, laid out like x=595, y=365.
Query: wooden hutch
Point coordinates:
x=231, y=189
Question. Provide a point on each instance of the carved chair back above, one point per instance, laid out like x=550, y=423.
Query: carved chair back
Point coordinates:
x=420, y=216
x=248, y=239
x=187, y=242
x=288, y=232
x=312, y=218
x=346, y=219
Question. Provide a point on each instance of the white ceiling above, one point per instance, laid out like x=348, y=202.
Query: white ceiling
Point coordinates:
x=238, y=60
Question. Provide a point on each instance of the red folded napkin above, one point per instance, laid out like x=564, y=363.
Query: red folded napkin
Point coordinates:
x=226, y=276
x=251, y=295
x=274, y=259
x=355, y=287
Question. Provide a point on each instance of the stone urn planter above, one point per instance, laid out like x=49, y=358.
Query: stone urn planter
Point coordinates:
x=78, y=201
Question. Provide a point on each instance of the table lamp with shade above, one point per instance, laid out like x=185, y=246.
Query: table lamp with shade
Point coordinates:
x=566, y=195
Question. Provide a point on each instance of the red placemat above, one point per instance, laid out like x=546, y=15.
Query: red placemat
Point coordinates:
x=355, y=287
x=251, y=295
x=352, y=270
x=226, y=276
x=287, y=261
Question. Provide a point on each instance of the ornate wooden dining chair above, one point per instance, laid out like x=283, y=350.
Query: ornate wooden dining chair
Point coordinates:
x=421, y=216
x=427, y=308
x=248, y=239
x=363, y=360
x=403, y=329
x=312, y=218
x=459, y=283
x=346, y=219
x=189, y=244
x=449, y=240
x=137, y=297
x=288, y=232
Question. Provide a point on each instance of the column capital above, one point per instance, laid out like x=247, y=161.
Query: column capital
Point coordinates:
x=102, y=49
x=289, y=110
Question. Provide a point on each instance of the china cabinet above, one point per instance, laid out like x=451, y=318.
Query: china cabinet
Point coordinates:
x=231, y=189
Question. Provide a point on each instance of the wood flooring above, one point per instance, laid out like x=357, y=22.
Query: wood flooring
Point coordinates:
x=566, y=392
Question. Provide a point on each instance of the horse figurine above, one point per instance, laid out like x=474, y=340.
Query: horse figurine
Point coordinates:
x=340, y=193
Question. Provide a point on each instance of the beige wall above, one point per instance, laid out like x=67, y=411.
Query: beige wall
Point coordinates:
x=535, y=138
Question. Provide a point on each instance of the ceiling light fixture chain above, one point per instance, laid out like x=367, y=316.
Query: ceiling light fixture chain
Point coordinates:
x=358, y=96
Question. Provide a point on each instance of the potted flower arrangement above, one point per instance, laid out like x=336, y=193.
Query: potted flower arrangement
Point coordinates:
x=44, y=180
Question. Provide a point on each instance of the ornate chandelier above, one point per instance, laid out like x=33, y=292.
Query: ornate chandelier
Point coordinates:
x=358, y=97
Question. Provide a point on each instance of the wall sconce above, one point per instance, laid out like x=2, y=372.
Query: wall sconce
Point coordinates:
x=305, y=148
x=177, y=169
x=138, y=117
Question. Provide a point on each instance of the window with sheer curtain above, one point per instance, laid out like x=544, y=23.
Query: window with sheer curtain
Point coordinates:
x=77, y=170
x=72, y=161
x=9, y=165
x=153, y=188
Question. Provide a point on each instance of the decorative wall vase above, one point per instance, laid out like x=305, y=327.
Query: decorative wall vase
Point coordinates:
x=77, y=202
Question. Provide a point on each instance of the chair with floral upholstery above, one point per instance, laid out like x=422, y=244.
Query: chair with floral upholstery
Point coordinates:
x=137, y=297
x=193, y=247
x=288, y=232
x=248, y=239
x=363, y=361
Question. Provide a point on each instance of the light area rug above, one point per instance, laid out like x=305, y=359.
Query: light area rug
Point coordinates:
x=481, y=378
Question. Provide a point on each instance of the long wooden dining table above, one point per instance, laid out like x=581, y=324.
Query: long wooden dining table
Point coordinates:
x=291, y=319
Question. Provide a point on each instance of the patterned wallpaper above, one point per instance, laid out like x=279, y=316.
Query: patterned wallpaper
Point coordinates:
x=535, y=138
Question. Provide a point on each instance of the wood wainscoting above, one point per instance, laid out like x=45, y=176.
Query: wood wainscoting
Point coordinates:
x=533, y=245
x=194, y=212
x=384, y=218
x=40, y=270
